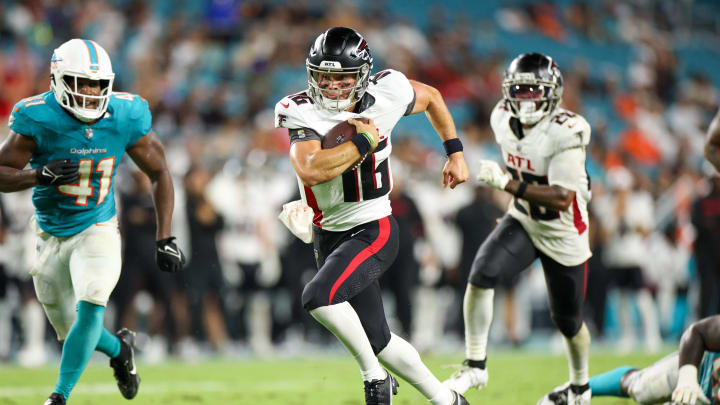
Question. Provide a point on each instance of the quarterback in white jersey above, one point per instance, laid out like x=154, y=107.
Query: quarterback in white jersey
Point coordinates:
x=543, y=148
x=359, y=195
x=354, y=236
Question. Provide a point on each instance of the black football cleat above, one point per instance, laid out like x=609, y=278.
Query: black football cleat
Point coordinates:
x=55, y=399
x=459, y=399
x=123, y=365
x=380, y=392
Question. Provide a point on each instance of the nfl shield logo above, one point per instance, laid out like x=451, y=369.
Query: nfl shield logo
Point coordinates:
x=88, y=133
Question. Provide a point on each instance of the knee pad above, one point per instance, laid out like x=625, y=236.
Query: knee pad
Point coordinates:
x=311, y=296
x=379, y=339
x=485, y=272
x=568, y=325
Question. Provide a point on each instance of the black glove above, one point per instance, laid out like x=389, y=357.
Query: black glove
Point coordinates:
x=168, y=256
x=58, y=172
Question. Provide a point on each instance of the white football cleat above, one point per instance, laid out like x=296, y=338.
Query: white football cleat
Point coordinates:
x=558, y=396
x=466, y=378
x=582, y=398
x=565, y=395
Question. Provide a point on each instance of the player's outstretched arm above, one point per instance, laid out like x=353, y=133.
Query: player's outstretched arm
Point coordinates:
x=701, y=336
x=712, y=145
x=148, y=153
x=315, y=165
x=429, y=100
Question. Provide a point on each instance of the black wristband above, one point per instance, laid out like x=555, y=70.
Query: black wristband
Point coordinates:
x=452, y=145
x=362, y=144
x=521, y=189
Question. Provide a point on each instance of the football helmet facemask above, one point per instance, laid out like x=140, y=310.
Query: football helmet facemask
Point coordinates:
x=77, y=59
x=339, y=51
x=533, y=86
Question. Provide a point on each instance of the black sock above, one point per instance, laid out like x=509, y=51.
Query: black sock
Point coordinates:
x=476, y=363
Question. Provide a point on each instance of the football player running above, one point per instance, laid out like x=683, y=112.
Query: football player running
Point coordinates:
x=74, y=137
x=355, y=237
x=674, y=378
x=712, y=145
x=543, y=148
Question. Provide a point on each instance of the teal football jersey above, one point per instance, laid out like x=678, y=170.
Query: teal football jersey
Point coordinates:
x=709, y=376
x=98, y=148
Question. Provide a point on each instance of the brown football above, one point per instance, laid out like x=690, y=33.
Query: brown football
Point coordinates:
x=340, y=133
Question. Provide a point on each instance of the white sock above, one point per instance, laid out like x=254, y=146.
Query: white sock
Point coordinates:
x=342, y=320
x=478, y=314
x=402, y=359
x=578, y=348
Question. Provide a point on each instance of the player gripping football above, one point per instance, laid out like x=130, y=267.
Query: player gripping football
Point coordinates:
x=74, y=137
x=355, y=237
x=543, y=148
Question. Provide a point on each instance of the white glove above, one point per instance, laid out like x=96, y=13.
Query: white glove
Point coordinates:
x=688, y=390
x=298, y=217
x=491, y=173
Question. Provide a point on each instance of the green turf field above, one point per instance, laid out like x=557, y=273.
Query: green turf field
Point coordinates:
x=515, y=378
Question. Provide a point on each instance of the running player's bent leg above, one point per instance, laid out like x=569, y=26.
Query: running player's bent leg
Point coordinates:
x=566, y=289
x=508, y=250
x=94, y=259
x=79, y=345
x=394, y=352
x=349, y=262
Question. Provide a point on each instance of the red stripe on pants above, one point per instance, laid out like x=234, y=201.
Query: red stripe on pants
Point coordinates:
x=378, y=243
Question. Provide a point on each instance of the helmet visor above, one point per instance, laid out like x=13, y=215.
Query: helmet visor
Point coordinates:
x=528, y=91
x=337, y=88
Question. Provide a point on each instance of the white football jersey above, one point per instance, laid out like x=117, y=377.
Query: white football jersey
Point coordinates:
x=552, y=152
x=360, y=195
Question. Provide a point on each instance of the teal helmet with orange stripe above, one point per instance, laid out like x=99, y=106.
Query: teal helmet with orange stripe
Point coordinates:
x=74, y=65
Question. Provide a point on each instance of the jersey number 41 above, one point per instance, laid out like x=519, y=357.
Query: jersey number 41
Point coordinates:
x=83, y=190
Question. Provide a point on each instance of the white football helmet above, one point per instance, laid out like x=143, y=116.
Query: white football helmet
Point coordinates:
x=81, y=58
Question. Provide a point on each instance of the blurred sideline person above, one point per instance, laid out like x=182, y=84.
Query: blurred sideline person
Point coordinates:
x=137, y=227
x=402, y=277
x=543, y=150
x=74, y=137
x=627, y=223
x=675, y=378
x=354, y=234
x=203, y=277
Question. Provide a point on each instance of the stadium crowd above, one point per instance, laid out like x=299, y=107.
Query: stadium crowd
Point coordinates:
x=212, y=71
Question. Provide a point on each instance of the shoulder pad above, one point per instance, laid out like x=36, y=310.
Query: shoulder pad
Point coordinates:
x=134, y=110
x=499, y=113
x=27, y=113
x=289, y=110
x=569, y=130
x=392, y=84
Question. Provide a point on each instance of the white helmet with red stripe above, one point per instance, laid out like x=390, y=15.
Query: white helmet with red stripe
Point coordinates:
x=81, y=58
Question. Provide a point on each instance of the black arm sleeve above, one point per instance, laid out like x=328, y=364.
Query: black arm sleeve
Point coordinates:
x=410, y=106
x=303, y=134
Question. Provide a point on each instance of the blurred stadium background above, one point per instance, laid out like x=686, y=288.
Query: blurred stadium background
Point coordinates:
x=645, y=74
